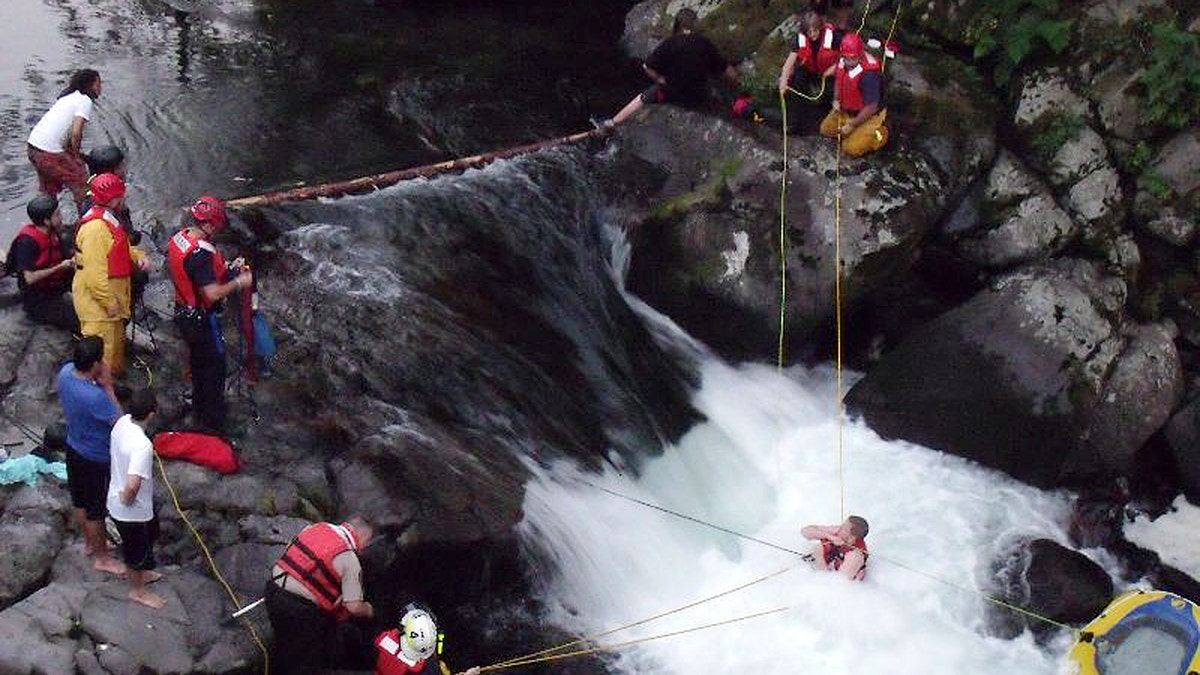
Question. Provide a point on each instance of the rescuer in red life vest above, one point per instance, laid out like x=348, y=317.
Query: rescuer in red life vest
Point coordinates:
x=814, y=51
x=841, y=548
x=198, y=272
x=859, y=110
x=316, y=584
x=414, y=646
x=43, y=273
x=104, y=265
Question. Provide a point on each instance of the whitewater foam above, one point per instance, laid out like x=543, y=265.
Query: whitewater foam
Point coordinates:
x=765, y=463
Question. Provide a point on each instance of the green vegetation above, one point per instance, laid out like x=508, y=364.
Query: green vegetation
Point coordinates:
x=1013, y=32
x=1172, y=79
x=1155, y=185
x=1056, y=129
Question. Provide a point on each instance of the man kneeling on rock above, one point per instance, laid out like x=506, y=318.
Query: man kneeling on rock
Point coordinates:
x=316, y=584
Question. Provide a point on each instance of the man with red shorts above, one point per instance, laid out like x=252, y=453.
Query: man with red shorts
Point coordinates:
x=56, y=142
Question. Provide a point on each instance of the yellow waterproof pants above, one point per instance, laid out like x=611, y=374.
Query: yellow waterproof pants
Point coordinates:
x=113, y=334
x=867, y=137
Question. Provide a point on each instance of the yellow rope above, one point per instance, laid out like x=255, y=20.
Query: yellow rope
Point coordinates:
x=815, y=97
x=593, y=638
x=866, y=12
x=891, y=32
x=783, y=243
x=1020, y=610
x=162, y=469
x=837, y=292
x=628, y=643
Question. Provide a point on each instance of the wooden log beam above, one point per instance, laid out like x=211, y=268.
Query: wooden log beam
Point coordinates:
x=369, y=183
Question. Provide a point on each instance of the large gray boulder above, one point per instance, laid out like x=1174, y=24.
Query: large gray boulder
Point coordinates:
x=1052, y=361
x=708, y=253
x=1020, y=219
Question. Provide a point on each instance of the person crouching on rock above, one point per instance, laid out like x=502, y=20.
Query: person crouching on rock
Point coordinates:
x=840, y=548
x=316, y=584
x=43, y=272
x=413, y=646
x=198, y=272
x=680, y=68
x=131, y=496
x=859, y=112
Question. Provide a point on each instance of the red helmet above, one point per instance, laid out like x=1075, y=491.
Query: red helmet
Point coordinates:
x=107, y=187
x=852, y=46
x=211, y=211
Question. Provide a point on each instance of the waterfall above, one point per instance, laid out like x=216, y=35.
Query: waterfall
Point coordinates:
x=764, y=463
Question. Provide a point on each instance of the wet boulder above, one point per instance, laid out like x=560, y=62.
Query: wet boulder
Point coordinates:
x=1020, y=221
x=1055, y=125
x=1051, y=359
x=708, y=253
x=1050, y=580
x=36, y=633
x=1183, y=436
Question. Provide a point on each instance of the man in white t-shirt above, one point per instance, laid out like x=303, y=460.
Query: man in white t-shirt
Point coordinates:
x=56, y=142
x=131, y=496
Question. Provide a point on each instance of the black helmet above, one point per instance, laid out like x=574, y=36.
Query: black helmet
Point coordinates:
x=41, y=208
x=105, y=159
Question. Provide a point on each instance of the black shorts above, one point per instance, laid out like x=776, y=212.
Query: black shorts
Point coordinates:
x=137, y=543
x=88, y=484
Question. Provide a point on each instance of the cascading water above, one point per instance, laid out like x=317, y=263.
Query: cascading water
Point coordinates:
x=765, y=463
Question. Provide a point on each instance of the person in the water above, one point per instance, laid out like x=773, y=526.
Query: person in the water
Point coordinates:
x=840, y=548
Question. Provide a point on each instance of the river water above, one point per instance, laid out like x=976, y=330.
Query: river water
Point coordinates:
x=233, y=97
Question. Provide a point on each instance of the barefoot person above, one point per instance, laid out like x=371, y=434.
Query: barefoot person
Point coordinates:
x=55, y=144
x=131, y=496
x=85, y=386
x=841, y=548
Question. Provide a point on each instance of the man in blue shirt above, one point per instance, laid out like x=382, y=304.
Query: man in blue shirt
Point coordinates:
x=85, y=386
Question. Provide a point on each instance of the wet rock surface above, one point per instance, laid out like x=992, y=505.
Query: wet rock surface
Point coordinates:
x=1049, y=580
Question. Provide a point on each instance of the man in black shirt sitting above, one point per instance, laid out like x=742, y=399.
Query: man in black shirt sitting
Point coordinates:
x=42, y=269
x=680, y=67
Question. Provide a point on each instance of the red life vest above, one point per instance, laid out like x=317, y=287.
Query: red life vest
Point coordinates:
x=835, y=555
x=827, y=53
x=388, y=661
x=181, y=247
x=120, y=260
x=849, y=91
x=49, y=254
x=308, y=561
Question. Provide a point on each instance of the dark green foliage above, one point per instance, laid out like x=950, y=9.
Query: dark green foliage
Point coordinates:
x=1172, y=79
x=1012, y=32
x=1055, y=130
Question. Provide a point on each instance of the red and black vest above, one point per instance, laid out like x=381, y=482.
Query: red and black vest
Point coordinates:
x=308, y=561
x=120, y=260
x=49, y=254
x=825, y=53
x=388, y=661
x=182, y=246
x=849, y=91
x=835, y=555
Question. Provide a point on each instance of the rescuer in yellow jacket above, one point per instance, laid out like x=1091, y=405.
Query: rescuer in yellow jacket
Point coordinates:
x=104, y=264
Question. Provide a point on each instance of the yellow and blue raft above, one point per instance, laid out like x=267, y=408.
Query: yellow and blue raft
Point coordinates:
x=1141, y=633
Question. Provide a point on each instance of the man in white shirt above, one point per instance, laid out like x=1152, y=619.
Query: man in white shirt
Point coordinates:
x=56, y=142
x=131, y=496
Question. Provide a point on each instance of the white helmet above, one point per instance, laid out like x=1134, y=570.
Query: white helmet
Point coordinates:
x=418, y=635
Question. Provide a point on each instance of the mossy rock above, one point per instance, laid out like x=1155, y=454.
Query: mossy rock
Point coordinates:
x=738, y=27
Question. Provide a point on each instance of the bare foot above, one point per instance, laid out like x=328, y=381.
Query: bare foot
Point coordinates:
x=150, y=576
x=108, y=564
x=147, y=598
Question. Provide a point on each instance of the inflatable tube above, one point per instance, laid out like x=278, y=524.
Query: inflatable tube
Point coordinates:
x=1141, y=633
